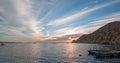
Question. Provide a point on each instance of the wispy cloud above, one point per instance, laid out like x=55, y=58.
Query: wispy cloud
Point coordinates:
x=90, y=27
x=97, y=23
x=38, y=20
x=18, y=18
x=79, y=14
x=106, y=19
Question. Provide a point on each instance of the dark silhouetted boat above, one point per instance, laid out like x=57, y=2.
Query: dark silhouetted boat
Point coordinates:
x=112, y=53
x=105, y=53
x=2, y=44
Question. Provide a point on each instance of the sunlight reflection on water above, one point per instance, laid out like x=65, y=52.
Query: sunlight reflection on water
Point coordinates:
x=49, y=53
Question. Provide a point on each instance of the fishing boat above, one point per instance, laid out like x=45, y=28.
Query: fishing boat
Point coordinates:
x=105, y=53
x=113, y=52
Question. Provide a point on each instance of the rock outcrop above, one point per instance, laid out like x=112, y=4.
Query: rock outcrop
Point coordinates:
x=108, y=34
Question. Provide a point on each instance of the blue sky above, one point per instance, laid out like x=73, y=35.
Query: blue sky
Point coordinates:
x=54, y=20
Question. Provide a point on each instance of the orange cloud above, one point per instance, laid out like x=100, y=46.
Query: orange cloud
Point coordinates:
x=66, y=38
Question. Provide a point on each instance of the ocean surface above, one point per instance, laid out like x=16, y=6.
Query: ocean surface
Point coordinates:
x=51, y=53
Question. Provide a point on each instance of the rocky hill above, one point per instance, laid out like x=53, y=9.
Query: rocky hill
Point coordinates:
x=108, y=34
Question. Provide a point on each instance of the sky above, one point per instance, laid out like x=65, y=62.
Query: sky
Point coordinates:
x=54, y=20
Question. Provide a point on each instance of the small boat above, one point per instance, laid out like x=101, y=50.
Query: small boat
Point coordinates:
x=2, y=44
x=94, y=52
x=104, y=53
x=111, y=53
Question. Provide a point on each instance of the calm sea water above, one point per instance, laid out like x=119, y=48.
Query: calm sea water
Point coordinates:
x=51, y=53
